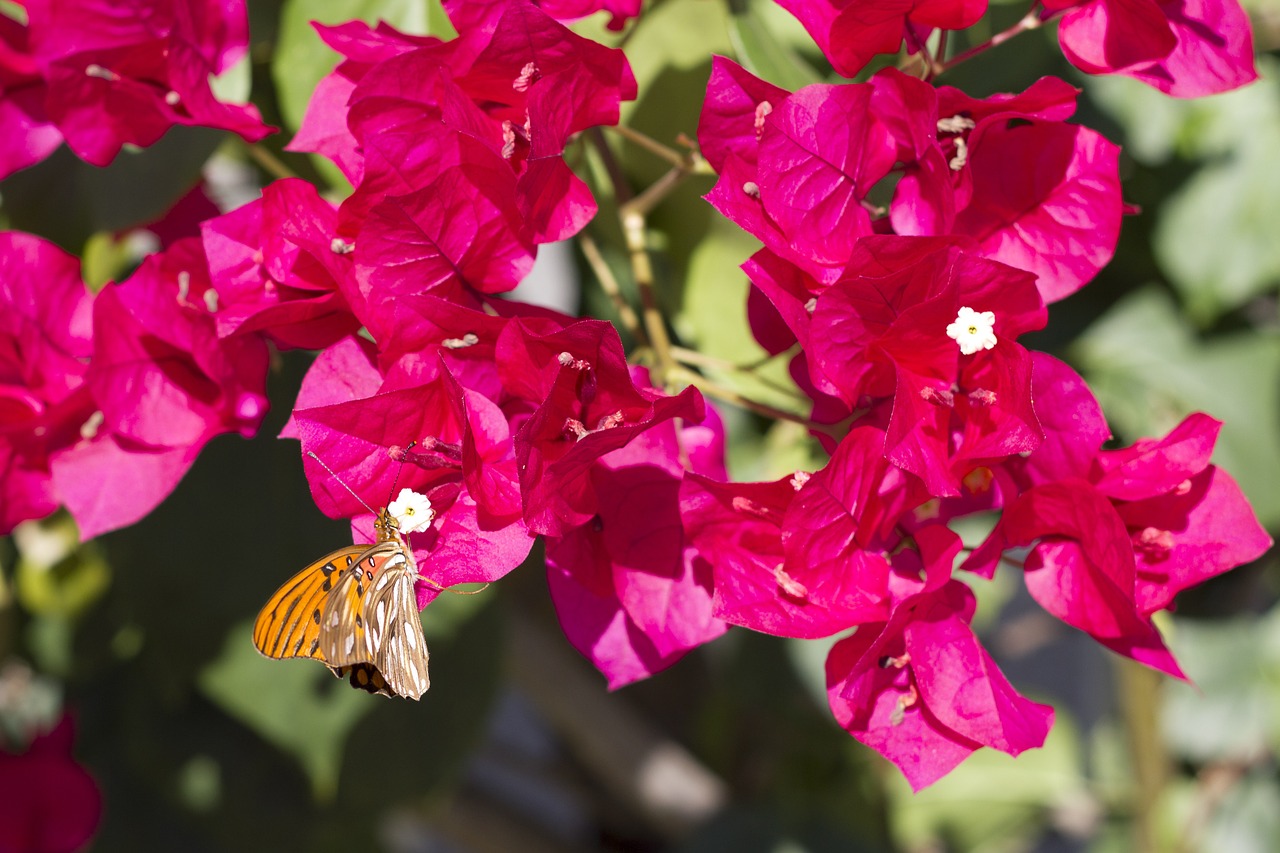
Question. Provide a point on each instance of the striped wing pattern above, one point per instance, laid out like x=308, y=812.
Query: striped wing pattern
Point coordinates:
x=288, y=626
x=356, y=611
x=395, y=630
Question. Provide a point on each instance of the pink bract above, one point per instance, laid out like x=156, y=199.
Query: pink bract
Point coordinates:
x=1184, y=48
x=277, y=271
x=919, y=688
x=48, y=801
x=591, y=406
x=632, y=592
x=852, y=32
x=46, y=337
x=118, y=75
x=29, y=135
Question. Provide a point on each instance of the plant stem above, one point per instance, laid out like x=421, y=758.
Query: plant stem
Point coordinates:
x=269, y=163
x=728, y=395
x=1139, y=703
x=634, y=231
x=693, y=358
x=1030, y=21
x=690, y=160
x=609, y=284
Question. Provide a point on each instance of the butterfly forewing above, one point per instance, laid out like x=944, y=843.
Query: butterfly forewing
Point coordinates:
x=288, y=626
x=344, y=635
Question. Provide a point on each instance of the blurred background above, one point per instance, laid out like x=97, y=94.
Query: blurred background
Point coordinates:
x=197, y=743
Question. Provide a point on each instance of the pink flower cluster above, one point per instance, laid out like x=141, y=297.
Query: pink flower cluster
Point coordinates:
x=527, y=422
x=106, y=400
x=906, y=319
x=911, y=235
x=99, y=75
x=1185, y=49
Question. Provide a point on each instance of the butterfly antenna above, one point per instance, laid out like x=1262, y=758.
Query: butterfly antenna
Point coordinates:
x=341, y=483
x=404, y=454
x=455, y=590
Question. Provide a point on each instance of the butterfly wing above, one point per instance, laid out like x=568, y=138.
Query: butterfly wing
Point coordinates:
x=365, y=676
x=395, y=630
x=288, y=626
x=344, y=636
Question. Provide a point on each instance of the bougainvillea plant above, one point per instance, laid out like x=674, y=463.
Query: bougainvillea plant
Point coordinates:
x=911, y=235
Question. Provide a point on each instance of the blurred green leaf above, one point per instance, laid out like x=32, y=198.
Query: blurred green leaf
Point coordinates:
x=1152, y=121
x=767, y=42
x=301, y=59
x=714, y=320
x=1248, y=818
x=1215, y=234
x=809, y=659
x=284, y=701
x=55, y=575
x=1149, y=371
x=993, y=802
x=232, y=85
x=1231, y=711
x=679, y=35
x=66, y=200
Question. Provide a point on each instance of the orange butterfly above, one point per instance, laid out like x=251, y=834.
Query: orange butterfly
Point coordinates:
x=355, y=610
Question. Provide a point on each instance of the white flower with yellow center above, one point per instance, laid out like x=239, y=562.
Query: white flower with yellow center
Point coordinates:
x=973, y=331
x=411, y=511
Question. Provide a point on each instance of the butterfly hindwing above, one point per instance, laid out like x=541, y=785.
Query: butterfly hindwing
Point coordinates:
x=400, y=649
x=288, y=625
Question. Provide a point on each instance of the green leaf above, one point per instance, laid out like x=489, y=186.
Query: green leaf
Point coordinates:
x=1152, y=121
x=66, y=200
x=809, y=660
x=232, y=86
x=1149, y=371
x=991, y=801
x=1215, y=237
x=301, y=59
x=1248, y=818
x=679, y=35
x=1231, y=711
x=767, y=42
x=287, y=703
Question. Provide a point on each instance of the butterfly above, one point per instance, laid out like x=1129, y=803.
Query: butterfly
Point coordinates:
x=356, y=611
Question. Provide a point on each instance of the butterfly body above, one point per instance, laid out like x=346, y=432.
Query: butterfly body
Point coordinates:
x=356, y=611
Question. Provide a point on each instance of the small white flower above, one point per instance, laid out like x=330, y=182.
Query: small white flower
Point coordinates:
x=411, y=511
x=973, y=331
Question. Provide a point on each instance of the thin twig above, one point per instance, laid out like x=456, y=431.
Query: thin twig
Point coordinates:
x=1031, y=21
x=270, y=163
x=621, y=187
x=634, y=231
x=690, y=161
x=1139, y=704
x=728, y=395
x=648, y=143
x=694, y=358
x=643, y=204
x=609, y=284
